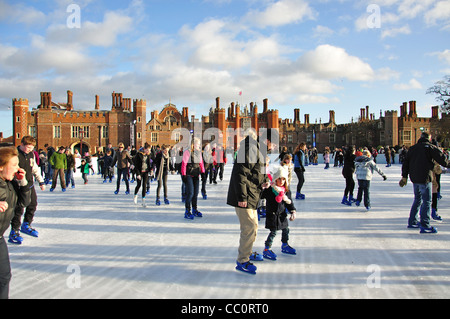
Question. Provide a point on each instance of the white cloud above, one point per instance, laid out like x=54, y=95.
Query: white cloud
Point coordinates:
x=321, y=31
x=103, y=34
x=281, y=13
x=21, y=13
x=443, y=56
x=441, y=11
x=413, y=84
x=393, y=32
x=331, y=62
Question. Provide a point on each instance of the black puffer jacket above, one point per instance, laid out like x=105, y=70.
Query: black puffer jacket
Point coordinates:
x=15, y=196
x=248, y=175
x=418, y=163
x=276, y=216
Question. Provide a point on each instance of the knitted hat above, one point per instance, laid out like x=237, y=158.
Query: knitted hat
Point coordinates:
x=280, y=172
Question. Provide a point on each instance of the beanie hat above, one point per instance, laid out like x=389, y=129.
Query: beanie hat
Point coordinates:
x=280, y=172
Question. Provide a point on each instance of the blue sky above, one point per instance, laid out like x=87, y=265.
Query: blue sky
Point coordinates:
x=314, y=55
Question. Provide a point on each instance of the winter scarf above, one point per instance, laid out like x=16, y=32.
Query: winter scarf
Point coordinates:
x=280, y=194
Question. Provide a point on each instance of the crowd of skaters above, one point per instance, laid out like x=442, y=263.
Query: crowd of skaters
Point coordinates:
x=270, y=195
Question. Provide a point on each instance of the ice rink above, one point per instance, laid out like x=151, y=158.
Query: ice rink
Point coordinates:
x=95, y=244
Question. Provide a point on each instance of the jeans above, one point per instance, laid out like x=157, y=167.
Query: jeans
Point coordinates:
x=124, y=172
x=422, y=200
x=192, y=185
x=273, y=233
x=69, y=177
x=364, y=189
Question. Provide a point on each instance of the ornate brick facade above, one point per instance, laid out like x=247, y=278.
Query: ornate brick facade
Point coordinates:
x=59, y=124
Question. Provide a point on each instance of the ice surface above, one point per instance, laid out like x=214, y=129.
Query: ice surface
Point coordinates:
x=94, y=244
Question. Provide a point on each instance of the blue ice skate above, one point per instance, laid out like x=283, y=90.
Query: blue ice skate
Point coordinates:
x=246, y=267
x=300, y=196
x=26, y=229
x=15, y=238
x=158, y=202
x=256, y=257
x=188, y=215
x=116, y=192
x=166, y=201
x=269, y=254
x=196, y=213
x=345, y=201
x=285, y=248
x=428, y=230
x=434, y=215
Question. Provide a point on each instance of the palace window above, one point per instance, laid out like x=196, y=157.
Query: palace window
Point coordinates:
x=406, y=136
x=105, y=132
x=332, y=138
x=80, y=132
x=32, y=131
x=56, y=131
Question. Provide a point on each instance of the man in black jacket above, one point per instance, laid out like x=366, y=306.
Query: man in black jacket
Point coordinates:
x=419, y=165
x=248, y=178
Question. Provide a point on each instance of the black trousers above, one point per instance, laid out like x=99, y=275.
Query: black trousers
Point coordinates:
x=124, y=172
x=5, y=269
x=301, y=178
x=29, y=212
x=162, y=182
x=142, y=182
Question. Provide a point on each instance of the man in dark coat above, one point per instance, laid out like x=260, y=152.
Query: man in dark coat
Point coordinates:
x=248, y=178
x=418, y=165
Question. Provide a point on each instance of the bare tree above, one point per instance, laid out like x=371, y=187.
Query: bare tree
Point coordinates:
x=442, y=90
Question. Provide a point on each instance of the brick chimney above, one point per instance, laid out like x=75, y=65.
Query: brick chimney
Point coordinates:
x=296, y=115
x=332, y=117
x=265, y=105
x=363, y=114
x=97, y=102
x=46, y=100
x=217, y=103
x=412, y=109
x=404, y=109
x=435, y=112
x=69, y=100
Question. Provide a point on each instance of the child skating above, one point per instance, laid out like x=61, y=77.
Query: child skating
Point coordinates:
x=278, y=203
x=364, y=172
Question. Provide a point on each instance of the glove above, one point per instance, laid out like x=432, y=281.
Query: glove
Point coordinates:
x=403, y=182
x=384, y=177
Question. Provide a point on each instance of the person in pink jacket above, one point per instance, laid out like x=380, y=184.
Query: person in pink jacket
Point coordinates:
x=192, y=167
